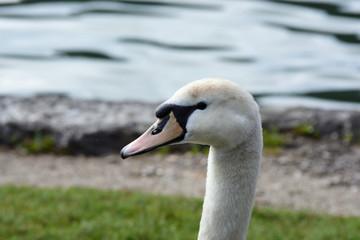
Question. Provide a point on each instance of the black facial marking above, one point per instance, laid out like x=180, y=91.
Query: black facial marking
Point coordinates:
x=181, y=113
x=163, y=110
x=161, y=126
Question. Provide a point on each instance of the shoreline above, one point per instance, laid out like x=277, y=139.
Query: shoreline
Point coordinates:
x=316, y=166
x=94, y=127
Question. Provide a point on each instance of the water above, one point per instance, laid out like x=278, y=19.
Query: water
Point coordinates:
x=284, y=52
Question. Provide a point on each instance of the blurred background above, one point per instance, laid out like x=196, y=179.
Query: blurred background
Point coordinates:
x=298, y=53
x=285, y=52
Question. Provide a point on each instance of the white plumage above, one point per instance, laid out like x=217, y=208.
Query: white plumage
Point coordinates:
x=215, y=112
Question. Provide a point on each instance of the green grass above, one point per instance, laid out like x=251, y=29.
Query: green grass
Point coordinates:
x=36, y=143
x=273, y=141
x=77, y=213
x=39, y=144
x=273, y=138
x=32, y=213
x=306, y=130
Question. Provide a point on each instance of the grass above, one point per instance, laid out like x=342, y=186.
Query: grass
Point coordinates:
x=38, y=144
x=273, y=141
x=35, y=144
x=273, y=138
x=32, y=213
x=306, y=130
x=77, y=213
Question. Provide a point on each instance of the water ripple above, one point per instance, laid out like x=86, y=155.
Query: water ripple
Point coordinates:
x=65, y=11
x=343, y=37
x=121, y=12
x=26, y=56
x=330, y=8
x=177, y=4
x=189, y=47
x=66, y=53
x=174, y=4
x=89, y=54
x=345, y=95
x=242, y=60
x=85, y=12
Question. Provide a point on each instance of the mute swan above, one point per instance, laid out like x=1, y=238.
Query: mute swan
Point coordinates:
x=215, y=112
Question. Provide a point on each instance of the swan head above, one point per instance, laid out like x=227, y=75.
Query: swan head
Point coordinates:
x=214, y=112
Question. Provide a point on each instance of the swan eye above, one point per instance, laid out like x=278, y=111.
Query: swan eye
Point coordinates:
x=201, y=105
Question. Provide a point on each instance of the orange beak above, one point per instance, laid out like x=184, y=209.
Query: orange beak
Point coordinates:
x=163, y=132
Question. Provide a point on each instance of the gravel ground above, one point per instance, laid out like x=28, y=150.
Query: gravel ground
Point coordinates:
x=314, y=176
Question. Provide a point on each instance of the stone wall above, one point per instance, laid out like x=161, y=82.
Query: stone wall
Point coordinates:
x=96, y=127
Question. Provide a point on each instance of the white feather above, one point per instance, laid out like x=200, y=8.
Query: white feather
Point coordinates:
x=231, y=125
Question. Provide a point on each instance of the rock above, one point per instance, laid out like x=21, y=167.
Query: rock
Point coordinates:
x=82, y=126
x=94, y=127
x=327, y=123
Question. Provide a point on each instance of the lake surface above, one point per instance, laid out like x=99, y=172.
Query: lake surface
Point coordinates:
x=285, y=52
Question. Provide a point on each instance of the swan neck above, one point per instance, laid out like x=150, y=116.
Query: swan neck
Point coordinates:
x=230, y=189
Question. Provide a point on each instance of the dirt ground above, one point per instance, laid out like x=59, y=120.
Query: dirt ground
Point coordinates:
x=298, y=178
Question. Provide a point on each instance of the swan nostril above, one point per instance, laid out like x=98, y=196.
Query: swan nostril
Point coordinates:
x=158, y=128
x=156, y=131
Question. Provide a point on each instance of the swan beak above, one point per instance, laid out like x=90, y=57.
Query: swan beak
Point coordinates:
x=163, y=132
